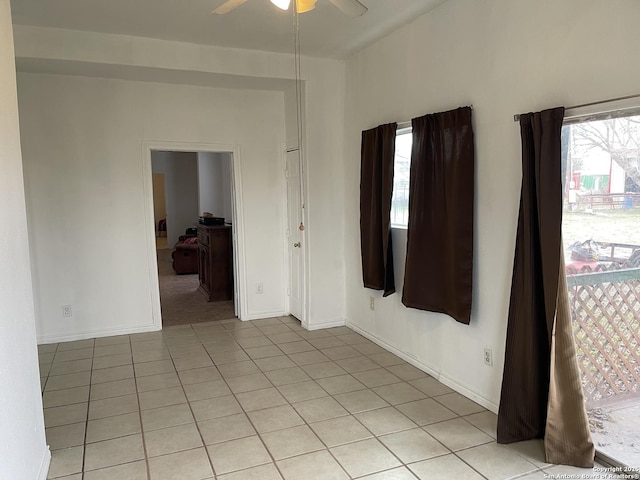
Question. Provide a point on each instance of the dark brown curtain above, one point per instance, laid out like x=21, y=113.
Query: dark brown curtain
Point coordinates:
x=534, y=287
x=541, y=391
x=439, y=265
x=376, y=187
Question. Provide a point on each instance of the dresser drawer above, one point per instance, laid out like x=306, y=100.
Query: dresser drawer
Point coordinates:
x=203, y=238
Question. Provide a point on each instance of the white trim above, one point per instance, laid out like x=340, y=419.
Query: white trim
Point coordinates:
x=262, y=315
x=339, y=322
x=464, y=390
x=238, y=221
x=400, y=131
x=240, y=245
x=234, y=243
x=448, y=381
x=45, y=462
x=285, y=227
x=69, y=337
x=149, y=221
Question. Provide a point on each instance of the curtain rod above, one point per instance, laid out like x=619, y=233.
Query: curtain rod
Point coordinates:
x=516, y=117
x=407, y=124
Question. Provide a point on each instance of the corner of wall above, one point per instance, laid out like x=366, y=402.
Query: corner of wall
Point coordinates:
x=428, y=369
x=45, y=463
x=338, y=322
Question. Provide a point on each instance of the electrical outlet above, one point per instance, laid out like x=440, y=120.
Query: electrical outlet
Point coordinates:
x=372, y=303
x=66, y=311
x=259, y=288
x=488, y=357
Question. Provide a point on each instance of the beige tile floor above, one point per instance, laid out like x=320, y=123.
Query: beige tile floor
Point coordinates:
x=263, y=400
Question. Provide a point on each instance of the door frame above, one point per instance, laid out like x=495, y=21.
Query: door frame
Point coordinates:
x=239, y=256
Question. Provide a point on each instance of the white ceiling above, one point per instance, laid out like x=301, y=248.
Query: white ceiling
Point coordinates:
x=259, y=25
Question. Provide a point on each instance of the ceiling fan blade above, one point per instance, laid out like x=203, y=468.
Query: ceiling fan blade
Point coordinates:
x=352, y=8
x=227, y=6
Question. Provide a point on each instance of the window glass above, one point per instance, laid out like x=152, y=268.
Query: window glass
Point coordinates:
x=402, y=164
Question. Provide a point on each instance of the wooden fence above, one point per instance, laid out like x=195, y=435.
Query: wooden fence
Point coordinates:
x=606, y=322
x=608, y=201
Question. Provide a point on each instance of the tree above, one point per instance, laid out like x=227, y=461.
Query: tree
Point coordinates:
x=619, y=137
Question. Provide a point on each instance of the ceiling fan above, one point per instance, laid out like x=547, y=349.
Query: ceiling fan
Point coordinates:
x=352, y=8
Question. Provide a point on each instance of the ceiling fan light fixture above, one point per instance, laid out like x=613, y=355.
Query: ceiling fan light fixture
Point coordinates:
x=304, y=6
x=281, y=4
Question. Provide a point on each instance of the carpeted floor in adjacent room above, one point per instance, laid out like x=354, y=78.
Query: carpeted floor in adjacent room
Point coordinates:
x=181, y=301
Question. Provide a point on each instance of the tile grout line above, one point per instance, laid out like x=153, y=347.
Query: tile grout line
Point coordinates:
x=142, y=436
x=193, y=415
x=86, y=425
x=110, y=416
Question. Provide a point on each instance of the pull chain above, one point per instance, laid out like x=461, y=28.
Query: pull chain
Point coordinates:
x=299, y=117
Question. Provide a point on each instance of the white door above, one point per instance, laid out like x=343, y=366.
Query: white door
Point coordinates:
x=295, y=237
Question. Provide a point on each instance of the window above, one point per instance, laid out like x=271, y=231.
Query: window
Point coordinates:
x=402, y=164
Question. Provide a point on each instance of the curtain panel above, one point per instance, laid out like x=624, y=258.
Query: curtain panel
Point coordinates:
x=533, y=400
x=439, y=263
x=376, y=188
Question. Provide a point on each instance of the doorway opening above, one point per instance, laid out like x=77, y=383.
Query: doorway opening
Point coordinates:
x=601, y=232
x=195, y=238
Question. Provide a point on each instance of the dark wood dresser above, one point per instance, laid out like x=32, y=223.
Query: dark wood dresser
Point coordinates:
x=215, y=262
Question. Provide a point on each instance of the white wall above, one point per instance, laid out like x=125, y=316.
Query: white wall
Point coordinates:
x=23, y=451
x=504, y=57
x=86, y=192
x=44, y=50
x=181, y=181
x=325, y=201
x=214, y=184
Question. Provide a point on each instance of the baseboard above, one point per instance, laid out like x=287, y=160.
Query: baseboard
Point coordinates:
x=68, y=337
x=340, y=322
x=469, y=393
x=261, y=315
x=43, y=471
x=442, y=378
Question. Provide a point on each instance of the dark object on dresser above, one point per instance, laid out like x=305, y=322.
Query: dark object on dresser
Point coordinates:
x=215, y=262
x=185, y=255
x=211, y=220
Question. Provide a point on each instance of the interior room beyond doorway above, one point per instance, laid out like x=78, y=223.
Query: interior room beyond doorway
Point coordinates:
x=188, y=186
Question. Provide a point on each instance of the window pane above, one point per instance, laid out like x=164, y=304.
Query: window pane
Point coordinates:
x=402, y=162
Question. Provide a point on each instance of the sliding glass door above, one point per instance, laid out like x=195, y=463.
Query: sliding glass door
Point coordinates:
x=601, y=231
